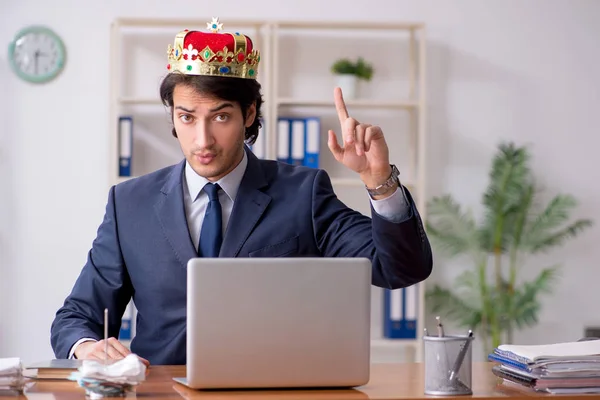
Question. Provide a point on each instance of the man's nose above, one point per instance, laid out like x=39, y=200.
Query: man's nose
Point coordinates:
x=204, y=138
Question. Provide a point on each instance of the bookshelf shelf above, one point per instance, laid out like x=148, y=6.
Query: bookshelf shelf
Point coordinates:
x=352, y=26
x=394, y=343
x=178, y=23
x=297, y=82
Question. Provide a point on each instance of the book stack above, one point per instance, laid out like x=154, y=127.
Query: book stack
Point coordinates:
x=560, y=368
x=54, y=369
x=11, y=376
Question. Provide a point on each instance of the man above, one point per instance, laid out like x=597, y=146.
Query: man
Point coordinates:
x=221, y=201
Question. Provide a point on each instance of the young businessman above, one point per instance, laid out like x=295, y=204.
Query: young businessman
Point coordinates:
x=221, y=201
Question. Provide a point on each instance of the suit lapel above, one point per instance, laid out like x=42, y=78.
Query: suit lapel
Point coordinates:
x=250, y=204
x=170, y=211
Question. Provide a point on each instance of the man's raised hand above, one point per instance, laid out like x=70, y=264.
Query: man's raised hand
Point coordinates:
x=364, y=148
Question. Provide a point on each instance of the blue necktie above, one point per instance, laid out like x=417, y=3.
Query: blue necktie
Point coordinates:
x=211, y=231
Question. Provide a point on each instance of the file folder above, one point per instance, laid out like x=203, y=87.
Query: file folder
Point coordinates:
x=400, y=313
x=125, y=145
x=297, y=141
x=283, y=140
x=125, y=332
x=313, y=140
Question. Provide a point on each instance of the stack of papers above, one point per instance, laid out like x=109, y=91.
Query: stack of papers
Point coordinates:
x=55, y=369
x=11, y=375
x=570, y=367
x=112, y=379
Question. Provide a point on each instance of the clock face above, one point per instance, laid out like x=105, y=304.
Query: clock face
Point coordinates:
x=37, y=54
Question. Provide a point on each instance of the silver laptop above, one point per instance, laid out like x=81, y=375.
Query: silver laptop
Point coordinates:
x=278, y=323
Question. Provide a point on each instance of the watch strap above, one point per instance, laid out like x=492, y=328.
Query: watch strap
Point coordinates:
x=386, y=186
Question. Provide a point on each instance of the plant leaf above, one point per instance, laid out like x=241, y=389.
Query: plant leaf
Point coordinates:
x=526, y=303
x=509, y=175
x=521, y=216
x=451, y=230
x=541, y=233
x=444, y=302
x=555, y=214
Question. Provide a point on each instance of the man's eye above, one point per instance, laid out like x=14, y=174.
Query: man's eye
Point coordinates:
x=185, y=118
x=222, y=117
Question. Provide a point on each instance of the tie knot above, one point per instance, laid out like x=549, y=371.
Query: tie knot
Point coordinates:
x=212, y=190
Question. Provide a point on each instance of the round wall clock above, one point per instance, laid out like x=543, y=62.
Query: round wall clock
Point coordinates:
x=37, y=54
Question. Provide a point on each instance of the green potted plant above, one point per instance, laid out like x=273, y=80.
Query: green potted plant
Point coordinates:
x=349, y=72
x=491, y=296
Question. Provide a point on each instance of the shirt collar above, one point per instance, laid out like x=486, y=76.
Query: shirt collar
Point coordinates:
x=230, y=183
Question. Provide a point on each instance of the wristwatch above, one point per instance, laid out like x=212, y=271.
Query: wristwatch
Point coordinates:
x=386, y=186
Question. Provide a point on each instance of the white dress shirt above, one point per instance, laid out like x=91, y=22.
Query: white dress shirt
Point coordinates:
x=196, y=200
x=393, y=208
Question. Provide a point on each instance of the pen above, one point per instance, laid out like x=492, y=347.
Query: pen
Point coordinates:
x=440, y=327
x=460, y=358
x=105, y=335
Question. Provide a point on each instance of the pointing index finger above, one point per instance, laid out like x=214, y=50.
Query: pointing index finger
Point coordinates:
x=340, y=106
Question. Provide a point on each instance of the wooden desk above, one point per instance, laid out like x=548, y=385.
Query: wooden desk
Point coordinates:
x=388, y=381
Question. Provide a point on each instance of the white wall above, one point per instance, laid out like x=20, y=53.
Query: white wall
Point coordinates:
x=497, y=70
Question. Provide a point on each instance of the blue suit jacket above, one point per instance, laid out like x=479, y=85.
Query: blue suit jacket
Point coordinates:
x=143, y=245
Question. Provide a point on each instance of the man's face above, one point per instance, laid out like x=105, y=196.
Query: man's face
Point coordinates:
x=210, y=131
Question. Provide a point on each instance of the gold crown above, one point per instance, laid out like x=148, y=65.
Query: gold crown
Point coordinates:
x=213, y=53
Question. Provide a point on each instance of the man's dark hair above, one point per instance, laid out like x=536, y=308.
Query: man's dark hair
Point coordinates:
x=240, y=90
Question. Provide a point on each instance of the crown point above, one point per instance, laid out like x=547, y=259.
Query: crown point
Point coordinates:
x=214, y=25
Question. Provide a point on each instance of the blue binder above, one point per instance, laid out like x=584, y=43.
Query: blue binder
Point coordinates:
x=400, y=313
x=125, y=145
x=125, y=332
x=313, y=141
x=284, y=145
x=297, y=141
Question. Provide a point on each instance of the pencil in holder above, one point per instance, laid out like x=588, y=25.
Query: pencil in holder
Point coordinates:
x=448, y=365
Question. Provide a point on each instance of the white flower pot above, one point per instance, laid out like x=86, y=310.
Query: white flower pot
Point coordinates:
x=348, y=83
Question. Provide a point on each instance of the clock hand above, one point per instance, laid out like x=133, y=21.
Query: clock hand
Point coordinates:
x=37, y=56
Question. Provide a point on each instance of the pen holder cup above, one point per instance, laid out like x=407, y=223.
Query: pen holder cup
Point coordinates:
x=448, y=365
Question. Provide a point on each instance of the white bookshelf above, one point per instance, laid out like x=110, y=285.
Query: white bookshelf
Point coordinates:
x=296, y=79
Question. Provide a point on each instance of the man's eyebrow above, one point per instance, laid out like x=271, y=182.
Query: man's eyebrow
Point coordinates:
x=184, y=109
x=220, y=107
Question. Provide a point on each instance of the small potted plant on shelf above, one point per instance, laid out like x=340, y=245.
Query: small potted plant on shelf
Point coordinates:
x=348, y=73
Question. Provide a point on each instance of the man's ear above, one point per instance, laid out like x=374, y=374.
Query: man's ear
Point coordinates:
x=250, y=115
